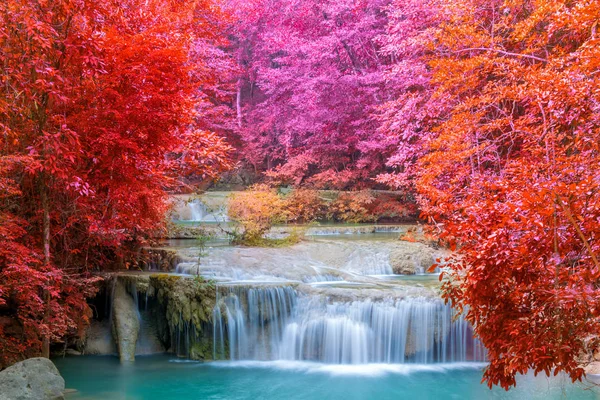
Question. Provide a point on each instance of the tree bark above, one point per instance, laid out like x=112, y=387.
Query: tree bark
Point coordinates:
x=238, y=103
x=46, y=246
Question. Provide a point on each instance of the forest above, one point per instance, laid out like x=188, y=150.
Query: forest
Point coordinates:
x=483, y=114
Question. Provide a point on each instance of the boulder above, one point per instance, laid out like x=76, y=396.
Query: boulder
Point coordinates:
x=126, y=323
x=412, y=258
x=32, y=379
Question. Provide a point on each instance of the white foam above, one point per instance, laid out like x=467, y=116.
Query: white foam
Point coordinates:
x=365, y=370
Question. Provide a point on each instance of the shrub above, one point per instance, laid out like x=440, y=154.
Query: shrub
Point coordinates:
x=256, y=209
x=303, y=206
x=352, y=207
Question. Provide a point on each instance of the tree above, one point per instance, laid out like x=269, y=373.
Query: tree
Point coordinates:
x=512, y=173
x=407, y=118
x=312, y=80
x=99, y=113
x=256, y=209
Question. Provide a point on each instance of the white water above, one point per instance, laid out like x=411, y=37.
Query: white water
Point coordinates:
x=199, y=212
x=256, y=319
x=274, y=323
x=364, y=370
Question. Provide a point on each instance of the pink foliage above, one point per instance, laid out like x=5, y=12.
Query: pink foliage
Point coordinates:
x=313, y=80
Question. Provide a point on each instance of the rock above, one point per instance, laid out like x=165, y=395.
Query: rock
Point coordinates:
x=411, y=258
x=150, y=259
x=99, y=340
x=596, y=354
x=593, y=368
x=32, y=379
x=126, y=323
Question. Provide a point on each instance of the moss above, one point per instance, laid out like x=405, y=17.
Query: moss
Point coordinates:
x=141, y=282
x=185, y=300
x=165, y=277
x=202, y=350
x=293, y=238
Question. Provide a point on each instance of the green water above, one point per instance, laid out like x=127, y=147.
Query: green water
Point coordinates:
x=165, y=378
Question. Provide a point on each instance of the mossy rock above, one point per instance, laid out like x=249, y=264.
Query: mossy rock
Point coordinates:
x=186, y=300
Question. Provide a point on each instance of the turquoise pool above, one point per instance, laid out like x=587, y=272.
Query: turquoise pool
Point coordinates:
x=167, y=378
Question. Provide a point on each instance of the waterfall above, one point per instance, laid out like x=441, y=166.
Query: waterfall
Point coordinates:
x=364, y=261
x=200, y=212
x=275, y=323
x=256, y=318
x=321, y=278
x=415, y=330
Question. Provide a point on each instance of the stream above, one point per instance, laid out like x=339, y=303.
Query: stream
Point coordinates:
x=334, y=317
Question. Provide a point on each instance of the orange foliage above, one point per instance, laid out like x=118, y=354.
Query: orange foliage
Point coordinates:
x=256, y=209
x=513, y=175
x=352, y=207
x=303, y=206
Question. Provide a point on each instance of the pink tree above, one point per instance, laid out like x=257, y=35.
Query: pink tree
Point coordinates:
x=406, y=118
x=313, y=78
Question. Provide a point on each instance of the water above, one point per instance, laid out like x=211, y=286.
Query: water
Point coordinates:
x=274, y=323
x=256, y=318
x=415, y=330
x=199, y=212
x=320, y=320
x=166, y=378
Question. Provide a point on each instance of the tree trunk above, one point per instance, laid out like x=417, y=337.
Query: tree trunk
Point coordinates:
x=46, y=245
x=238, y=103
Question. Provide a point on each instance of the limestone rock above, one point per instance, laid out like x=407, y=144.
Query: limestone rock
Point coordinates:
x=596, y=354
x=99, y=340
x=32, y=379
x=593, y=368
x=126, y=324
x=412, y=258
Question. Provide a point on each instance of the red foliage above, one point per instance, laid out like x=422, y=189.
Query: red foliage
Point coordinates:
x=512, y=173
x=99, y=109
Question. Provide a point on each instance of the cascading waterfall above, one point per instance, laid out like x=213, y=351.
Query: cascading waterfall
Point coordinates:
x=274, y=323
x=256, y=318
x=415, y=330
x=200, y=212
x=369, y=262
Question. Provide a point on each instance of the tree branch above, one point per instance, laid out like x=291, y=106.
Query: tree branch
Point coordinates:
x=506, y=53
x=569, y=215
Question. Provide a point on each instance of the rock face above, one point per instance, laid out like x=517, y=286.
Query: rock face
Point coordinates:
x=126, y=323
x=99, y=340
x=32, y=379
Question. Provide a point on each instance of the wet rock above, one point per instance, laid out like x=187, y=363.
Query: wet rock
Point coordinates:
x=32, y=379
x=412, y=258
x=99, y=340
x=158, y=260
x=125, y=323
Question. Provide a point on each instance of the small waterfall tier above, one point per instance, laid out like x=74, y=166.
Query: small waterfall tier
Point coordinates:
x=277, y=323
x=255, y=317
